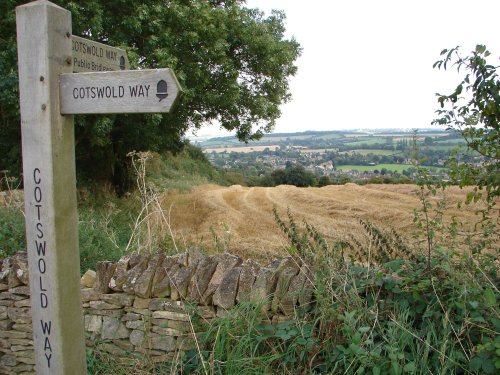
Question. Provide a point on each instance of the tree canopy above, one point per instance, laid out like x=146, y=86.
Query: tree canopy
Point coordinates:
x=232, y=62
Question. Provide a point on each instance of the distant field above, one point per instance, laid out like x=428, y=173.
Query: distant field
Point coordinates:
x=244, y=149
x=451, y=141
x=317, y=150
x=374, y=152
x=390, y=167
x=368, y=141
x=370, y=168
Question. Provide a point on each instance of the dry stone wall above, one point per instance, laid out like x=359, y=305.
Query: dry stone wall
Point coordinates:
x=154, y=305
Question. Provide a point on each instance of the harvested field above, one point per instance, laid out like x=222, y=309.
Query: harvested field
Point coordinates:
x=243, y=216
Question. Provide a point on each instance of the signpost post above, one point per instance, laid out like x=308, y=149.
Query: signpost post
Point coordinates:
x=49, y=95
x=50, y=189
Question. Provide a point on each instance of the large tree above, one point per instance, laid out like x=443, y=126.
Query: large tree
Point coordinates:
x=233, y=64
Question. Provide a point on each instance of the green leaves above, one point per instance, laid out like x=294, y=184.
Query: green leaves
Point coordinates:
x=232, y=63
x=473, y=109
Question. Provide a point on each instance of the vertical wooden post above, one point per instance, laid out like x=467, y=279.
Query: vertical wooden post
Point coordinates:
x=44, y=52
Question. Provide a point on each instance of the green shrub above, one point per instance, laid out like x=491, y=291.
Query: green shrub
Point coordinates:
x=12, y=231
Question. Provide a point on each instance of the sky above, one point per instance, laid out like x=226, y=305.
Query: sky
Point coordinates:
x=367, y=64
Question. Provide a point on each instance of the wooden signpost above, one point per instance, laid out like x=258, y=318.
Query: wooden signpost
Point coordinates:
x=49, y=93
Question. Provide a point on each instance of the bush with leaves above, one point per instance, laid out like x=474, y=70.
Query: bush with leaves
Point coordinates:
x=473, y=109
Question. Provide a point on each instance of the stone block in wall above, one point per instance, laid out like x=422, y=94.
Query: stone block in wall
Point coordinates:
x=137, y=337
x=93, y=323
x=6, y=324
x=23, y=303
x=15, y=335
x=22, y=327
x=88, y=279
x=166, y=331
x=11, y=297
x=156, y=304
x=225, y=262
x=144, y=282
x=141, y=303
x=179, y=325
x=291, y=298
x=90, y=294
x=101, y=305
x=18, y=369
x=20, y=267
x=22, y=290
x=173, y=306
x=104, y=272
x=249, y=271
x=264, y=287
x=179, y=282
x=163, y=304
x=120, y=299
x=19, y=315
x=142, y=312
x=161, y=283
x=8, y=360
x=130, y=316
x=134, y=273
x=201, y=279
x=284, y=279
x=194, y=255
x=120, y=275
x=162, y=342
x=163, y=287
x=3, y=313
x=137, y=324
x=111, y=313
x=3, y=287
x=113, y=328
x=6, y=302
x=26, y=357
x=225, y=295
x=169, y=315
x=22, y=342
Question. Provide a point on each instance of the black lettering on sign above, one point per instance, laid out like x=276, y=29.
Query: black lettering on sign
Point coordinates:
x=139, y=90
x=39, y=227
x=36, y=172
x=48, y=359
x=40, y=246
x=47, y=347
x=42, y=267
x=46, y=327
